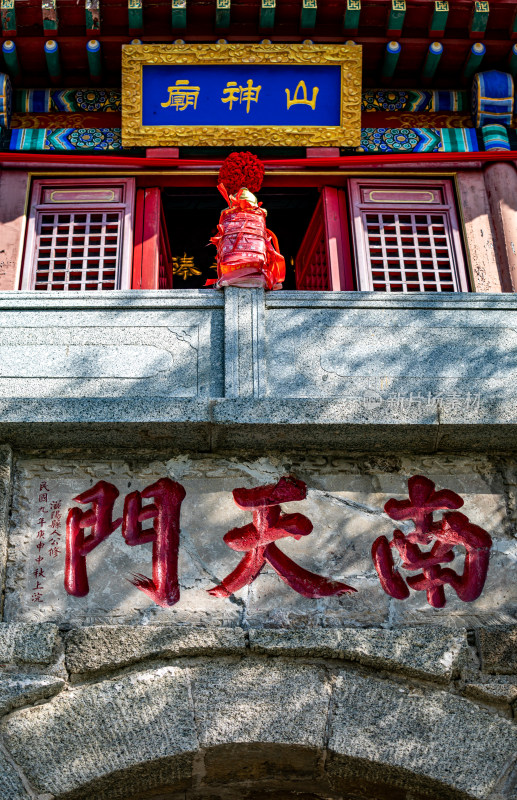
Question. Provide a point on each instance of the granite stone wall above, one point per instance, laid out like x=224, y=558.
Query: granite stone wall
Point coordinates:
x=264, y=694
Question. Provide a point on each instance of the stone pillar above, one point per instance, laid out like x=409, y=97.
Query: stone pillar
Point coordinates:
x=479, y=232
x=13, y=192
x=501, y=185
x=244, y=335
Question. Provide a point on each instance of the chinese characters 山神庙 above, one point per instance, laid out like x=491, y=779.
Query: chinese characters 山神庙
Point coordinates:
x=257, y=541
x=183, y=96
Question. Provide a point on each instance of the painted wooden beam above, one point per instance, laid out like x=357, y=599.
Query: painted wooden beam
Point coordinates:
x=179, y=13
x=53, y=61
x=222, y=14
x=11, y=58
x=396, y=18
x=135, y=15
x=50, y=18
x=432, y=60
x=479, y=19
x=308, y=14
x=93, y=16
x=267, y=13
x=473, y=62
x=352, y=15
x=94, y=53
x=391, y=56
x=8, y=17
x=439, y=18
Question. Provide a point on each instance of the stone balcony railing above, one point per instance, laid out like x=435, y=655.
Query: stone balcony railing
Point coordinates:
x=206, y=370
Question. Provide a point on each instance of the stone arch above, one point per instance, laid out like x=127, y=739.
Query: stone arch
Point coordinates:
x=256, y=726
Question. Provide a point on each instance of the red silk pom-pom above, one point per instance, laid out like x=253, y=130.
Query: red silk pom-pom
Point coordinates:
x=241, y=169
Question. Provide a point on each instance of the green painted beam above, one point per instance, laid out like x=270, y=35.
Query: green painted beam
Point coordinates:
x=222, y=13
x=94, y=53
x=267, y=13
x=396, y=18
x=8, y=17
x=50, y=18
x=391, y=56
x=53, y=61
x=439, y=18
x=179, y=13
x=479, y=19
x=309, y=12
x=12, y=63
x=432, y=60
x=92, y=16
x=352, y=15
x=135, y=15
x=473, y=62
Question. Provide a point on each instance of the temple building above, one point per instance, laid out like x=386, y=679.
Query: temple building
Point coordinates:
x=258, y=400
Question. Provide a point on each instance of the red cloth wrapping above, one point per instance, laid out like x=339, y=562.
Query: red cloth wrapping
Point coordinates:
x=247, y=252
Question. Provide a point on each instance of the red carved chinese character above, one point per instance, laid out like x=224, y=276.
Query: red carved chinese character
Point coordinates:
x=54, y=552
x=39, y=559
x=43, y=486
x=36, y=597
x=38, y=573
x=40, y=535
x=102, y=496
x=55, y=504
x=168, y=496
x=42, y=498
x=453, y=529
x=257, y=541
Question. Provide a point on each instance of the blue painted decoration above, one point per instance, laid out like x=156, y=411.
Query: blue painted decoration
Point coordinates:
x=241, y=95
x=492, y=98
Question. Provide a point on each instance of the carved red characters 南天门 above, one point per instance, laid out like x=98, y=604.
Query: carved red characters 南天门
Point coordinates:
x=453, y=529
x=257, y=541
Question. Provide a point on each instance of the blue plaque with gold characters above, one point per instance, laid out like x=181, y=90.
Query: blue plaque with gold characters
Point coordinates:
x=238, y=94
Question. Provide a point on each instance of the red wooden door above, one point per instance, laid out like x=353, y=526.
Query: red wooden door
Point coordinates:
x=323, y=261
x=152, y=262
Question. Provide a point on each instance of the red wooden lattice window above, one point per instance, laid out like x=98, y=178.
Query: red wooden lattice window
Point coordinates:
x=79, y=235
x=406, y=236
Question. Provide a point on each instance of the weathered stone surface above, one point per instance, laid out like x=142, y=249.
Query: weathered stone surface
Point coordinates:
x=11, y=787
x=434, y=736
x=498, y=649
x=141, y=727
x=28, y=643
x=498, y=690
x=102, y=647
x=424, y=651
x=259, y=700
x=267, y=718
x=20, y=690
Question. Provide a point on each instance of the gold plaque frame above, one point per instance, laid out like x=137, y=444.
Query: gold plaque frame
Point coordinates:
x=135, y=57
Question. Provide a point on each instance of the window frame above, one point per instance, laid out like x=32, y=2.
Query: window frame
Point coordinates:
x=38, y=206
x=450, y=209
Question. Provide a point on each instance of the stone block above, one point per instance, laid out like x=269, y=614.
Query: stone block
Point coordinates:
x=260, y=701
x=426, y=651
x=11, y=786
x=105, y=647
x=499, y=690
x=416, y=738
x=498, y=649
x=98, y=740
x=22, y=690
x=28, y=643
